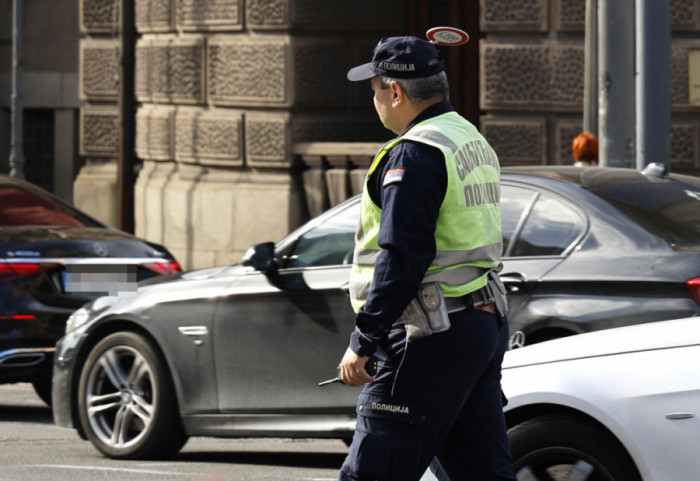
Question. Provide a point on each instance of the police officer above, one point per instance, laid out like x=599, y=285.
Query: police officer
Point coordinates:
x=430, y=217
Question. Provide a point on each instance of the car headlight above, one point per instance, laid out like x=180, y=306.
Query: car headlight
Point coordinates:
x=77, y=319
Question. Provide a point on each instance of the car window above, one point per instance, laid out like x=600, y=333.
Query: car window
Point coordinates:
x=19, y=207
x=330, y=243
x=670, y=210
x=549, y=229
x=515, y=204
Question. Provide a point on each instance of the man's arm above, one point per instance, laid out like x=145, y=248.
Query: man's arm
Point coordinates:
x=410, y=208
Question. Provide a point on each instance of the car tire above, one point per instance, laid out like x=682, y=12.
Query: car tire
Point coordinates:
x=126, y=401
x=563, y=447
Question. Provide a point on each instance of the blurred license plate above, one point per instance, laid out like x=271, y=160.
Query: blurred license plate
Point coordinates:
x=100, y=280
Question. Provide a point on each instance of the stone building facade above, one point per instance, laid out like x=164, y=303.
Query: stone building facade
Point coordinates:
x=246, y=125
x=49, y=92
x=532, y=80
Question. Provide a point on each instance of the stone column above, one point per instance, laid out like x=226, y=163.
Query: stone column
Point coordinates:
x=95, y=188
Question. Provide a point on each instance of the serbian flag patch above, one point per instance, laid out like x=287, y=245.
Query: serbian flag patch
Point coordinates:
x=393, y=176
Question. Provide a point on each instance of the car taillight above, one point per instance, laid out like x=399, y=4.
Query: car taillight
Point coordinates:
x=18, y=317
x=10, y=271
x=694, y=287
x=163, y=267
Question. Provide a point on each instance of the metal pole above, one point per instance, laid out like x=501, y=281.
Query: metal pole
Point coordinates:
x=127, y=120
x=590, y=86
x=653, y=83
x=16, y=119
x=616, y=83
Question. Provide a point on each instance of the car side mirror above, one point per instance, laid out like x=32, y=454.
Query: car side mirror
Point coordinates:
x=261, y=257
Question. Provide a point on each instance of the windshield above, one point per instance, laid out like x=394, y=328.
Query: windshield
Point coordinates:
x=670, y=210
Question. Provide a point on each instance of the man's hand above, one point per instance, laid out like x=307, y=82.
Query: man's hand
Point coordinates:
x=352, y=369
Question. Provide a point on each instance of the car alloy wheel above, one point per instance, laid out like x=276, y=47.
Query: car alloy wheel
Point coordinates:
x=126, y=401
x=562, y=448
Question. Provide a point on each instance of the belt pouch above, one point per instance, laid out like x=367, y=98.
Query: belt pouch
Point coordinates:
x=415, y=321
x=432, y=302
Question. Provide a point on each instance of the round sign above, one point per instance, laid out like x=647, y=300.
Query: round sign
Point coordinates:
x=449, y=36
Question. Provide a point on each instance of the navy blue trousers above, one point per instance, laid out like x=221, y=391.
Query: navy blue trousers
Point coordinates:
x=437, y=397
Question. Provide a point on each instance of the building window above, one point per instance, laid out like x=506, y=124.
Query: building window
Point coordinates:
x=38, y=147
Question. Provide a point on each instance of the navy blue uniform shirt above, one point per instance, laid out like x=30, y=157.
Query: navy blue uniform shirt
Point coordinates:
x=410, y=209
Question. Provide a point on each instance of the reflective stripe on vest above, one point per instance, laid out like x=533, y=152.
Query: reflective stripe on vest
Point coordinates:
x=464, y=255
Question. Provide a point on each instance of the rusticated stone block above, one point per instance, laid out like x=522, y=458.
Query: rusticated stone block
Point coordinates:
x=210, y=14
x=249, y=73
x=154, y=133
x=319, y=68
x=324, y=14
x=170, y=70
x=99, y=16
x=99, y=132
x=209, y=137
x=571, y=15
x=268, y=13
x=267, y=140
x=680, y=88
x=506, y=15
x=154, y=15
x=566, y=130
x=142, y=71
x=517, y=141
x=99, y=70
x=531, y=77
x=684, y=15
x=685, y=144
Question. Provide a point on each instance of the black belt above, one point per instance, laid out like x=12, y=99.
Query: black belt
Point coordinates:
x=467, y=301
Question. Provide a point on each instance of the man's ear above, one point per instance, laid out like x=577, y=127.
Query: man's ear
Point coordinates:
x=397, y=94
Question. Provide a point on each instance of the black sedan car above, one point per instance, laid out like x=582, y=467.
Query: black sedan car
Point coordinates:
x=239, y=350
x=54, y=259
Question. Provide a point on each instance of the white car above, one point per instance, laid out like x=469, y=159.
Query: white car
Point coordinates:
x=614, y=405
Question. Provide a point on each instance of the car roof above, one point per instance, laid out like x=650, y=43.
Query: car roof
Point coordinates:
x=595, y=176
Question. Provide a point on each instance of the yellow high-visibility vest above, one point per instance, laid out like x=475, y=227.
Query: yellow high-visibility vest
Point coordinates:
x=468, y=232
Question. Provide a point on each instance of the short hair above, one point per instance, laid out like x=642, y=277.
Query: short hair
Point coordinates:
x=421, y=89
x=585, y=147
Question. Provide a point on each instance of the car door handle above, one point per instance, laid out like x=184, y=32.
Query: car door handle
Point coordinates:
x=346, y=288
x=512, y=281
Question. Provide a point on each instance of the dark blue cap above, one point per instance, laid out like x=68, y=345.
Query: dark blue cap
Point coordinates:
x=401, y=57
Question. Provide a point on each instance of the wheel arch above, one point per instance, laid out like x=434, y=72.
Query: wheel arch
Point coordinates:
x=98, y=333
x=528, y=412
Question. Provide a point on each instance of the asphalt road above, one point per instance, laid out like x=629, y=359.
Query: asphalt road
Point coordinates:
x=33, y=448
